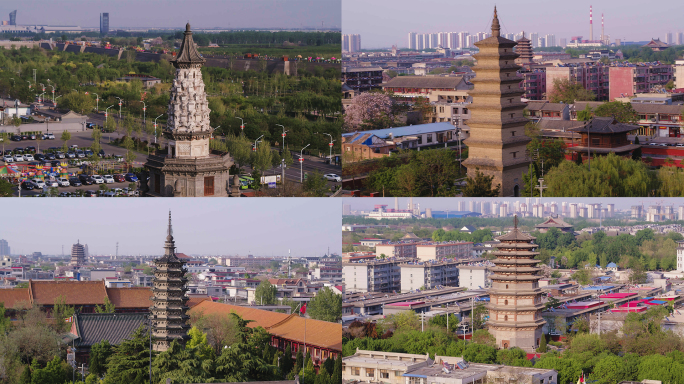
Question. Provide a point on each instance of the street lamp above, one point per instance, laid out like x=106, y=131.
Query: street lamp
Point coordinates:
x=29, y=84
x=97, y=101
x=53, y=94
x=107, y=114
x=40, y=98
x=155, y=127
x=144, y=109
x=55, y=100
x=242, y=123
x=283, y=135
x=42, y=86
x=120, y=102
x=329, y=144
x=255, y=143
x=301, y=164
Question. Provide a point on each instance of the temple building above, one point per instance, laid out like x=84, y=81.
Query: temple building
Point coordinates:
x=497, y=142
x=169, y=311
x=524, y=50
x=603, y=135
x=188, y=167
x=554, y=222
x=515, y=307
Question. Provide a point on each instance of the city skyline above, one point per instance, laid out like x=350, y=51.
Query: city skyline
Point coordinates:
x=262, y=227
x=528, y=15
x=234, y=14
x=450, y=203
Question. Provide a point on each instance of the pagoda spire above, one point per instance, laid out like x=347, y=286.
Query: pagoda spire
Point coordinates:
x=496, y=28
x=170, y=245
x=188, y=56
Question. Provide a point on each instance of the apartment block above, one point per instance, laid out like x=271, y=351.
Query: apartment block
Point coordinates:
x=437, y=251
x=372, y=276
x=362, y=79
x=429, y=275
x=533, y=83
x=402, y=250
x=640, y=78
x=593, y=77
x=473, y=277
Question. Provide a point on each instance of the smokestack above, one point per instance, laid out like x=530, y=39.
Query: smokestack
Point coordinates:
x=603, y=37
x=591, y=25
x=396, y=203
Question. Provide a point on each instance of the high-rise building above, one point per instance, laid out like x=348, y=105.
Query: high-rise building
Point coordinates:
x=680, y=38
x=463, y=40
x=563, y=42
x=412, y=40
x=351, y=43
x=680, y=256
x=453, y=40
x=497, y=142
x=189, y=168
x=668, y=38
x=77, y=254
x=169, y=311
x=550, y=40
x=346, y=209
x=13, y=17
x=104, y=23
x=534, y=38
x=4, y=248
x=515, y=306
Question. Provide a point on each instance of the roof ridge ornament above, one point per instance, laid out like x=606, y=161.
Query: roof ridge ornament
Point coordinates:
x=496, y=27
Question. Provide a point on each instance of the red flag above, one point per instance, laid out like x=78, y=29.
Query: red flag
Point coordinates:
x=302, y=310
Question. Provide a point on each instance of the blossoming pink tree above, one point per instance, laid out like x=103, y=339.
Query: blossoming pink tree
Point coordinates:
x=369, y=111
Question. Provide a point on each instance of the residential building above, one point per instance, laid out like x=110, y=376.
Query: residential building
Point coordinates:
x=439, y=251
x=4, y=248
x=474, y=277
x=401, y=250
x=411, y=87
x=659, y=120
x=533, y=83
x=372, y=276
x=628, y=80
x=429, y=275
x=680, y=256
x=380, y=367
x=13, y=18
x=351, y=43
x=679, y=73
x=544, y=110
x=593, y=77
x=362, y=79
x=104, y=23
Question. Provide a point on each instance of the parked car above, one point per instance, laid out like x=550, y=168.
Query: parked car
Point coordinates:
x=8, y=158
x=98, y=179
x=60, y=155
x=90, y=193
x=39, y=183
x=333, y=177
x=39, y=157
x=18, y=157
x=91, y=125
x=64, y=194
x=119, y=178
x=71, y=155
x=101, y=153
x=108, y=179
x=19, y=150
x=119, y=158
x=117, y=191
x=131, y=177
x=50, y=156
x=32, y=137
x=15, y=138
x=51, y=183
x=80, y=154
x=74, y=181
x=55, y=163
x=48, y=136
x=31, y=149
x=27, y=185
x=85, y=179
x=29, y=157
x=63, y=182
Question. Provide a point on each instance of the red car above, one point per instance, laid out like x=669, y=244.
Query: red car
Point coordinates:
x=119, y=178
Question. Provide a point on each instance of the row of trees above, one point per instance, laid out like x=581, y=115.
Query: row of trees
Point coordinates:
x=325, y=306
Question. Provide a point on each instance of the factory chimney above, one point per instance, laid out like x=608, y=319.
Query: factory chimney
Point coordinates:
x=591, y=25
x=603, y=36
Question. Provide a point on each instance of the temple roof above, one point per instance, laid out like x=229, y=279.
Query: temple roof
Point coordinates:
x=554, y=222
x=187, y=54
x=605, y=125
x=515, y=234
x=113, y=327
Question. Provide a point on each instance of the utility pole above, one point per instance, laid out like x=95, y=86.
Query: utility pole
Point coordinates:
x=289, y=261
x=34, y=75
x=541, y=187
x=117, y=250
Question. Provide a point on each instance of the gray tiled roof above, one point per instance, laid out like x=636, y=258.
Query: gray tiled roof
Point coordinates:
x=424, y=82
x=113, y=327
x=605, y=125
x=543, y=106
x=658, y=108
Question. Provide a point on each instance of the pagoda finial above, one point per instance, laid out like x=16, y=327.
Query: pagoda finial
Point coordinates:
x=496, y=28
x=515, y=221
x=169, y=232
x=187, y=27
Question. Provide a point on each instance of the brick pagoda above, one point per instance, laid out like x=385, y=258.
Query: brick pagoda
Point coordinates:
x=515, y=307
x=168, y=313
x=497, y=142
x=524, y=50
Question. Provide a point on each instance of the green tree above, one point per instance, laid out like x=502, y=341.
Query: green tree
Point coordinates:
x=568, y=92
x=77, y=102
x=66, y=136
x=480, y=186
x=265, y=293
x=608, y=370
x=623, y=112
x=56, y=371
x=129, y=362
x=99, y=353
x=337, y=373
x=61, y=312
x=582, y=276
x=326, y=306
x=262, y=158
x=6, y=188
x=198, y=339
x=286, y=363
x=568, y=369
x=585, y=114
x=542, y=345
x=108, y=307
x=315, y=185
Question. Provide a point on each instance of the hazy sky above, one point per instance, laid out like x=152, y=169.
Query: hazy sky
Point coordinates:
x=175, y=13
x=382, y=23
x=263, y=227
x=450, y=203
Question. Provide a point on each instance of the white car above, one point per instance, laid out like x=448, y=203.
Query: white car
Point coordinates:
x=63, y=182
x=18, y=157
x=98, y=179
x=51, y=183
x=333, y=177
x=109, y=179
x=8, y=159
x=48, y=136
x=28, y=157
x=38, y=183
x=118, y=191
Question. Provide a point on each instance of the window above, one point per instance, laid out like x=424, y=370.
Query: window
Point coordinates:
x=356, y=371
x=384, y=374
x=370, y=372
x=429, y=137
x=209, y=186
x=505, y=302
x=505, y=317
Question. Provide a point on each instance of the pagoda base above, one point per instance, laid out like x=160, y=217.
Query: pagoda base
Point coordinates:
x=508, y=176
x=173, y=177
x=526, y=338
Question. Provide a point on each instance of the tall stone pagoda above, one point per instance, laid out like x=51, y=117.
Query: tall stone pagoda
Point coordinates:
x=515, y=306
x=497, y=142
x=188, y=168
x=524, y=50
x=168, y=313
